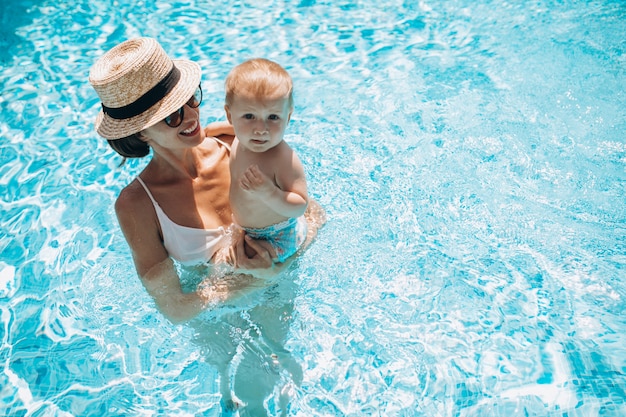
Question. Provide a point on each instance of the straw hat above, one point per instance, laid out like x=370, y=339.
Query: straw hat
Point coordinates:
x=139, y=85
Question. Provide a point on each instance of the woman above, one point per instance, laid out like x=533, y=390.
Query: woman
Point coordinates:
x=178, y=207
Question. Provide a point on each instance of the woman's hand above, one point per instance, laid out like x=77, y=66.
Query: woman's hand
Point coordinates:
x=247, y=253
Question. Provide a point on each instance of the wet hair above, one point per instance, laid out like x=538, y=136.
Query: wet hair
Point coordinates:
x=259, y=78
x=130, y=146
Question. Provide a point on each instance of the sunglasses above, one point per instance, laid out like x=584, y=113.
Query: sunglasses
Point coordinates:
x=175, y=119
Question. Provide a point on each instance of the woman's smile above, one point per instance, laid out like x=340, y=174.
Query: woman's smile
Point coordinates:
x=193, y=130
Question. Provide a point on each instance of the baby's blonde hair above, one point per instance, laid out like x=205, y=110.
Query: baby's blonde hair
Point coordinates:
x=259, y=78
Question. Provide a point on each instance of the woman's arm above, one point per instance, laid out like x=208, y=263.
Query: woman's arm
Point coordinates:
x=163, y=285
x=154, y=267
x=217, y=129
x=157, y=271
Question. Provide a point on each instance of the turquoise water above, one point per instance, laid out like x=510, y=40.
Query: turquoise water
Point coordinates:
x=471, y=156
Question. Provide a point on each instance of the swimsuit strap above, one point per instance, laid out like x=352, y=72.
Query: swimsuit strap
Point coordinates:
x=226, y=145
x=187, y=245
x=145, y=187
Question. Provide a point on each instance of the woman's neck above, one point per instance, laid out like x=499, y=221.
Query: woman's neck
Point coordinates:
x=180, y=164
x=190, y=163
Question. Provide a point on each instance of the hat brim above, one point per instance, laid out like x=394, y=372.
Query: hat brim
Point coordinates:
x=190, y=75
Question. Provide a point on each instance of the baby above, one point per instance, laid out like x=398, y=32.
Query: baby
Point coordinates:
x=268, y=190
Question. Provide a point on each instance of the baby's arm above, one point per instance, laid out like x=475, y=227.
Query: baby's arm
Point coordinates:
x=289, y=198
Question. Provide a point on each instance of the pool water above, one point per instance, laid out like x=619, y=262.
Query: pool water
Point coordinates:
x=471, y=157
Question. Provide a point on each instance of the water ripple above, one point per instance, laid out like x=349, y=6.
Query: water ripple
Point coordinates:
x=471, y=161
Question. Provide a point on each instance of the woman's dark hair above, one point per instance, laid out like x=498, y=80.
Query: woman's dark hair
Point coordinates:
x=130, y=146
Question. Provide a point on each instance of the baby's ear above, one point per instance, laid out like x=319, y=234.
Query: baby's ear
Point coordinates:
x=228, y=113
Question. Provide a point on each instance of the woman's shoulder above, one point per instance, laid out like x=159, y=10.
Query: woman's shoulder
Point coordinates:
x=213, y=146
x=221, y=141
x=131, y=200
x=228, y=139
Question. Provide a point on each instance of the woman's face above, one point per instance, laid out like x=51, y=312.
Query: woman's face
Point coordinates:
x=187, y=135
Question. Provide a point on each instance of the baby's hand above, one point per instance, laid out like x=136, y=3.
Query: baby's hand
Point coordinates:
x=255, y=181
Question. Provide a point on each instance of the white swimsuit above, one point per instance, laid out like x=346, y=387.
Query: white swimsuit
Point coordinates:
x=189, y=245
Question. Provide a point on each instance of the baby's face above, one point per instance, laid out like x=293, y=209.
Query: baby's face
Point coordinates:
x=259, y=124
